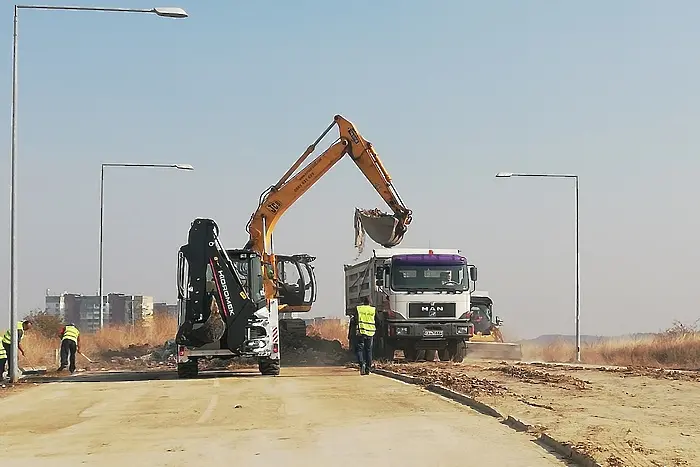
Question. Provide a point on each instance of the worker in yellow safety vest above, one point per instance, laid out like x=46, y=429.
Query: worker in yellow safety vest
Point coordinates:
x=70, y=345
x=6, y=352
x=365, y=328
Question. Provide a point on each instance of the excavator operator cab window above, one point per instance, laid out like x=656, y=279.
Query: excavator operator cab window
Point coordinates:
x=296, y=281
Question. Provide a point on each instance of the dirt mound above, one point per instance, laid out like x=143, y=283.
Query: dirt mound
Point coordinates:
x=532, y=376
x=133, y=350
x=313, y=351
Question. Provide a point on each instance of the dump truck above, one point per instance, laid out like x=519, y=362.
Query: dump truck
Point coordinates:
x=487, y=341
x=422, y=297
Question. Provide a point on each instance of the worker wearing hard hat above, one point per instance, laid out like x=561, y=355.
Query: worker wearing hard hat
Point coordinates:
x=22, y=327
x=70, y=345
x=364, y=335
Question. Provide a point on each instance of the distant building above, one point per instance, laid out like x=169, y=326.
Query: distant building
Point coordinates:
x=165, y=309
x=84, y=310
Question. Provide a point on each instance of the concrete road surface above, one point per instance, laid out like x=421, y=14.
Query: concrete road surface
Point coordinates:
x=305, y=417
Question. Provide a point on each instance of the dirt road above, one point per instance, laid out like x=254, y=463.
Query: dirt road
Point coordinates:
x=620, y=417
x=310, y=416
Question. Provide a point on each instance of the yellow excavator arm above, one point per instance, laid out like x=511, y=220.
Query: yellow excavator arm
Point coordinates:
x=281, y=196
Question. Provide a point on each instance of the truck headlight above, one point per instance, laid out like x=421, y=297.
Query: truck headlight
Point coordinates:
x=463, y=330
x=401, y=331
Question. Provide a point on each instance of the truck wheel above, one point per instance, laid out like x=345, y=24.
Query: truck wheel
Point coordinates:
x=445, y=354
x=430, y=355
x=188, y=369
x=385, y=351
x=460, y=353
x=268, y=366
x=410, y=354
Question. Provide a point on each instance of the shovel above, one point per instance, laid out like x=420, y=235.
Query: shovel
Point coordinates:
x=33, y=370
x=86, y=357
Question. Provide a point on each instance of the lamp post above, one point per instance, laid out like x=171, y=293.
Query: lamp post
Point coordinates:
x=164, y=12
x=102, y=209
x=576, y=236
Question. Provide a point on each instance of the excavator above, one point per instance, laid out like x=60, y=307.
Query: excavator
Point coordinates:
x=279, y=270
x=230, y=300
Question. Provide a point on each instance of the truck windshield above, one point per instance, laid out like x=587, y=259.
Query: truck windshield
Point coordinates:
x=406, y=276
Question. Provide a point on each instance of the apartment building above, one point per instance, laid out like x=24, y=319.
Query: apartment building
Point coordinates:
x=165, y=309
x=84, y=310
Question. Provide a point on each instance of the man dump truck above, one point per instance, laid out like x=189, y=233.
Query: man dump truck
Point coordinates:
x=422, y=297
x=487, y=341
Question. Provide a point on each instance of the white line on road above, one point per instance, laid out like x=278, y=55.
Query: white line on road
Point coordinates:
x=210, y=408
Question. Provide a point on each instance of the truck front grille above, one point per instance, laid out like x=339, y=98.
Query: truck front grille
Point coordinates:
x=432, y=310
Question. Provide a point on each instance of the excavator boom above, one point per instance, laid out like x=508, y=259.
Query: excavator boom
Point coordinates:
x=281, y=196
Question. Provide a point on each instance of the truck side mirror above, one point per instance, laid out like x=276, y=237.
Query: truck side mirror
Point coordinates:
x=473, y=274
x=379, y=273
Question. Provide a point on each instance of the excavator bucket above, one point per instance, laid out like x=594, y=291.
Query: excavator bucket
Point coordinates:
x=210, y=331
x=384, y=229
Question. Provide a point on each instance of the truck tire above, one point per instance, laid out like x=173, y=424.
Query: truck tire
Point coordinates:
x=268, y=366
x=445, y=354
x=460, y=353
x=430, y=355
x=383, y=350
x=410, y=354
x=188, y=369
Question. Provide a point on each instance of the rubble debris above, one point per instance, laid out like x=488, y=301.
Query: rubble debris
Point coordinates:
x=459, y=382
x=532, y=376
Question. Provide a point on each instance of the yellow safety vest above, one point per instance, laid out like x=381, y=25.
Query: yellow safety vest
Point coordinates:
x=3, y=354
x=71, y=333
x=7, y=338
x=365, y=319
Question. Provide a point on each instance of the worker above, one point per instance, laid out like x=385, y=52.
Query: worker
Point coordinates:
x=22, y=327
x=3, y=360
x=364, y=336
x=70, y=345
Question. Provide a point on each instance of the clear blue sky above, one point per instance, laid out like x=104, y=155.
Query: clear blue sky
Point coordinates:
x=448, y=93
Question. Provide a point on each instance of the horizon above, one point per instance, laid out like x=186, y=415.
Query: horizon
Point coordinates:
x=448, y=94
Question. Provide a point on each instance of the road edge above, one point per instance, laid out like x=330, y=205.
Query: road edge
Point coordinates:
x=564, y=449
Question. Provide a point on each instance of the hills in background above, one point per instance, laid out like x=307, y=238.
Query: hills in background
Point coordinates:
x=547, y=339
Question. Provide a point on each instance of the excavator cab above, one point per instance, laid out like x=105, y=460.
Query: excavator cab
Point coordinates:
x=296, y=282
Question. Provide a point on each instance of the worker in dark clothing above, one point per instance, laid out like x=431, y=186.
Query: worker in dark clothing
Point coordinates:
x=70, y=345
x=22, y=326
x=365, y=317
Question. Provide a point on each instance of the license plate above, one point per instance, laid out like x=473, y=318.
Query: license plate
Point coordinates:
x=432, y=333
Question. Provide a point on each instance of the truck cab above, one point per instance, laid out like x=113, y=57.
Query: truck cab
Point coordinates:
x=422, y=297
x=481, y=313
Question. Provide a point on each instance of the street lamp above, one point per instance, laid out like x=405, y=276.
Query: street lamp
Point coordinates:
x=578, y=263
x=168, y=12
x=102, y=208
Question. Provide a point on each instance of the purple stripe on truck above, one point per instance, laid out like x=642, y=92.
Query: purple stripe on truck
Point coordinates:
x=429, y=259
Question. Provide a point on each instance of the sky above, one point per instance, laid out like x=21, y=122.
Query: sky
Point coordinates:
x=448, y=92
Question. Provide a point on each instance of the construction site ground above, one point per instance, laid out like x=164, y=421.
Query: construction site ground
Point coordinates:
x=619, y=416
x=306, y=416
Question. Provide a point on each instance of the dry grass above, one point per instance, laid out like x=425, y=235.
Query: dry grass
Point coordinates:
x=41, y=350
x=332, y=330
x=678, y=348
